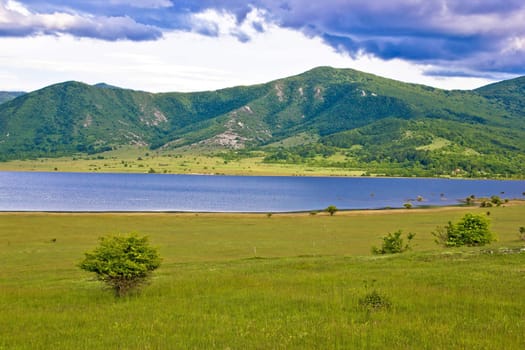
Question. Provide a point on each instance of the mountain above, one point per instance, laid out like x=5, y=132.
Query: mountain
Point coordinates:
x=74, y=117
x=9, y=95
x=106, y=86
x=369, y=119
x=509, y=94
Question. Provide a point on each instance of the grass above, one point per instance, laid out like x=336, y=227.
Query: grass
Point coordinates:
x=199, y=160
x=140, y=160
x=256, y=282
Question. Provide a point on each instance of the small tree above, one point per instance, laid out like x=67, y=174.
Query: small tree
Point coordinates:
x=123, y=262
x=471, y=230
x=331, y=209
x=393, y=243
x=522, y=233
x=470, y=200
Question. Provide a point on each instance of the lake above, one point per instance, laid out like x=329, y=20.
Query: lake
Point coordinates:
x=77, y=192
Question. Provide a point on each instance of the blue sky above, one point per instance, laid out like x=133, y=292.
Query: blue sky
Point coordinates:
x=185, y=45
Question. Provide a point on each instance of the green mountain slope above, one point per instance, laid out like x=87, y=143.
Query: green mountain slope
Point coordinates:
x=378, y=123
x=509, y=95
x=9, y=95
x=74, y=117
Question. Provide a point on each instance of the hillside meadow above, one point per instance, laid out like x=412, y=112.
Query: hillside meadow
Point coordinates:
x=249, y=281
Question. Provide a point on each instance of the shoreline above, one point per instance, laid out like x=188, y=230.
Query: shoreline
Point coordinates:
x=341, y=212
x=269, y=174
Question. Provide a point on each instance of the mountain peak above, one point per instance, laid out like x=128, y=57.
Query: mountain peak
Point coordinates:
x=105, y=86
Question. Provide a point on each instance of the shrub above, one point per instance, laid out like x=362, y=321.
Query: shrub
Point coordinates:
x=122, y=262
x=522, y=233
x=496, y=200
x=373, y=301
x=471, y=230
x=393, y=243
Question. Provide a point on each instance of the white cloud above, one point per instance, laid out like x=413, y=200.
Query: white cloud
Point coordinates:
x=183, y=61
x=17, y=20
x=225, y=23
x=16, y=7
x=515, y=44
x=154, y=4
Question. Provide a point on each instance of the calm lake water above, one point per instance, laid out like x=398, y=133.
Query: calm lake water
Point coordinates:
x=31, y=191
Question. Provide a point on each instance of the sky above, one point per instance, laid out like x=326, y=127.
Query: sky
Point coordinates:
x=195, y=45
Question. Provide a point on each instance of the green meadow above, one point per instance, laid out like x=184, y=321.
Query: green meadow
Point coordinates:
x=247, y=281
x=186, y=161
x=202, y=160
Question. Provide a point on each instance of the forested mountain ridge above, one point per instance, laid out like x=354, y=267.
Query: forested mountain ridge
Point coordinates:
x=366, y=118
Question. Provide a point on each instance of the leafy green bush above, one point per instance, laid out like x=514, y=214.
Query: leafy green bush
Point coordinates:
x=124, y=263
x=471, y=230
x=393, y=243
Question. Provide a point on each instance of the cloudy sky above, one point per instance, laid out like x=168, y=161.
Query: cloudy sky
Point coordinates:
x=189, y=45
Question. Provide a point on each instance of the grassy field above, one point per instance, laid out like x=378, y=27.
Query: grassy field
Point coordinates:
x=234, y=281
x=202, y=160
x=137, y=160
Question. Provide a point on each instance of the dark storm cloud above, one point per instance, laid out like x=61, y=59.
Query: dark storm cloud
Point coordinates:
x=478, y=35
x=463, y=36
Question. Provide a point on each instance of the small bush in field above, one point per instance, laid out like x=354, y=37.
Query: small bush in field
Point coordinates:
x=393, y=243
x=123, y=262
x=374, y=301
